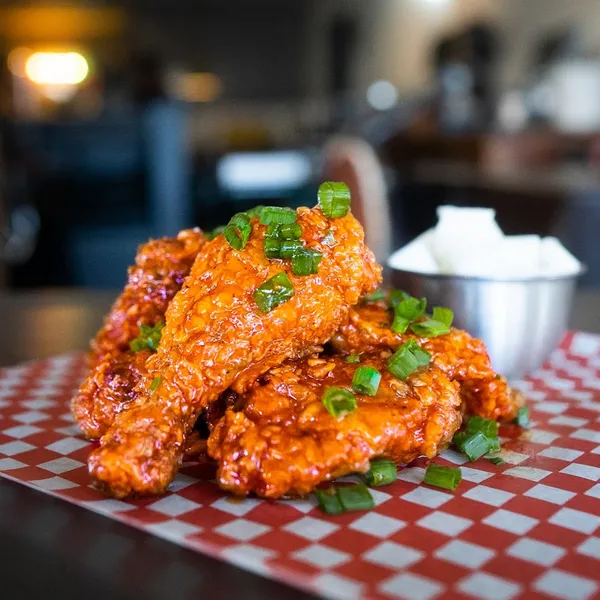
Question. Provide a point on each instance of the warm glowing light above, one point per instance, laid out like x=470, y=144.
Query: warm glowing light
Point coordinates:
x=382, y=95
x=56, y=68
x=17, y=60
x=198, y=87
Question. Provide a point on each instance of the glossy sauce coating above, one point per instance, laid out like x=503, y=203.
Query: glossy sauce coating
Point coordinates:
x=159, y=271
x=462, y=357
x=284, y=442
x=215, y=337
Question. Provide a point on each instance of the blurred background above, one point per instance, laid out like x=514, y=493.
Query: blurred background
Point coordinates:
x=125, y=120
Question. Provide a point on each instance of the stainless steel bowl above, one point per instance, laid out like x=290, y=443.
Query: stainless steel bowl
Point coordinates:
x=521, y=321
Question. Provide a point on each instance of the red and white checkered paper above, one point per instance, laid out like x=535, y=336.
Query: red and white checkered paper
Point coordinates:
x=525, y=529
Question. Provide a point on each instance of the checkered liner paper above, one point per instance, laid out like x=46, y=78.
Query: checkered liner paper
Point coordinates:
x=524, y=529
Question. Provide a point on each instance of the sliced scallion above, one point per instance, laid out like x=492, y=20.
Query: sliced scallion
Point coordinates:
x=381, y=472
x=329, y=501
x=366, y=380
x=496, y=460
x=278, y=215
x=473, y=446
x=272, y=248
x=443, y=477
x=355, y=497
x=338, y=401
x=407, y=359
x=397, y=296
x=334, y=199
x=148, y=338
x=290, y=247
x=238, y=231
x=352, y=358
x=375, y=296
x=154, y=384
x=406, y=311
x=523, y=417
x=273, y=292
x=288, y=231
x=488, y=427
x=306, y=262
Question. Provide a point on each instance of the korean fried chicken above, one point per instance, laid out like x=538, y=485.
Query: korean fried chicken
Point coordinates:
x=216, y=336
x=115, y=370
x=461, y=357
x=284, y=441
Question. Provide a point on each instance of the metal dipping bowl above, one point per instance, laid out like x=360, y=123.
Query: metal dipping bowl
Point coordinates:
x=520, y=320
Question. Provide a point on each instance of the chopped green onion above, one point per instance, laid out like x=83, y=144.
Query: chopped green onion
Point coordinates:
x=329, y=501
x=443, y=315
x=352, y=358
x=255, y=211
x=278, y=215
x=430, y=328
x=397, y=296
x=488, y=427
x=446, y=478
x=290, y=247
x=400, y=324
x=155, y=383
x=407, y=359
x=496, y=460
x=473, y=446
x=375, y=296
x=381, y=472
x=523, y=417
x=238, y=231
x=289, y=231
x=334, y=199
x=355, y=497
x=494, y=443
x=306, y=262
x=211, y=235
x=272, y=248
x=149, y=338
x=273, y=292
x=406, y=311
x=366, y=380
x=338, y=401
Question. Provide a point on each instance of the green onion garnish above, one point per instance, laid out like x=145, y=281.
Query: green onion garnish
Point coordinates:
x=352, y=358
x=488, y=427
x=406, y=311
x=155, y=383
x=278, y=215
x=329, y=501
x=272, y=248
x=438, y=324
x=290, y=247
x=211, y=235
x=334, y=199
x=474, y=446
x=255, y=211
x=397, y=296
x=496, y=460
x=375, y=296
x=382, y=472
x=289, y=231
x=523, y=417
x=273, y=292
x=366, y=380
x=306, y=262
x=407, y=359
x=148, y=339
x=338, y=401
x=446, y=478
x=238, y=231
x=355, y=497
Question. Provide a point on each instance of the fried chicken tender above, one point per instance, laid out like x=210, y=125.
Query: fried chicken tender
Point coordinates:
x=284, y=442
x=159, y=271
x=216, y=337
x=461, y=357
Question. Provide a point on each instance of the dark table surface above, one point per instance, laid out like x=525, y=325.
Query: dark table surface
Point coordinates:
x=49, y=546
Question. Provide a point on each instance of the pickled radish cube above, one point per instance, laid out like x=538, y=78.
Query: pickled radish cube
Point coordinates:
x=416, y=256
x=556, y=259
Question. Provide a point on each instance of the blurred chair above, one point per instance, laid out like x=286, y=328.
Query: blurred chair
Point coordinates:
x=354, y=162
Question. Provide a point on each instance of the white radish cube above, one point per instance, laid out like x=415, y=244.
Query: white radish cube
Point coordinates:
x=556, y=260
x=416, y=256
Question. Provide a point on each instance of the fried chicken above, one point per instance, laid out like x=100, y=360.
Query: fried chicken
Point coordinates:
x=461, y=357
x=216, y=337
x=160, y=268
x=284, y=442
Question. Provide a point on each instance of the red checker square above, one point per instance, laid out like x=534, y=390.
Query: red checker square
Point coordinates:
x=200, y=470
x=491, y=537
x=209, y=542
x=579, y=564
x=141, y=516
x=440, y=570
x=398, y=508
x=582, y=445
x=82, y=453
x=80, y=494
x=79, y=476
x=351, y=540
x=30, y=474
x=420, y=538
x=568, y=482
x=45, y=438
x=519, y=571
x=207, y=517
x=293, y=566
x=531, y=507
x=275, y=515
x=508, y=483
x=559, y=536
x=586, y=504
x=542, y=462
x=592, y=460
x=366, y=572
x=468, y=509
x=140, y=502
x=281, y=541
x=201, y=492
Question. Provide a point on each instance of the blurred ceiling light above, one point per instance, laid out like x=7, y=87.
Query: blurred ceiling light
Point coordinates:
x=56, y=68
x=382, y=95
x=17, y=60
x=198, y=87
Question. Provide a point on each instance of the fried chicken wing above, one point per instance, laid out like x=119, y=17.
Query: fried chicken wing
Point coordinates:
x=284, y=442
x=461, y=357
x=160, y=268
x=216, y=337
